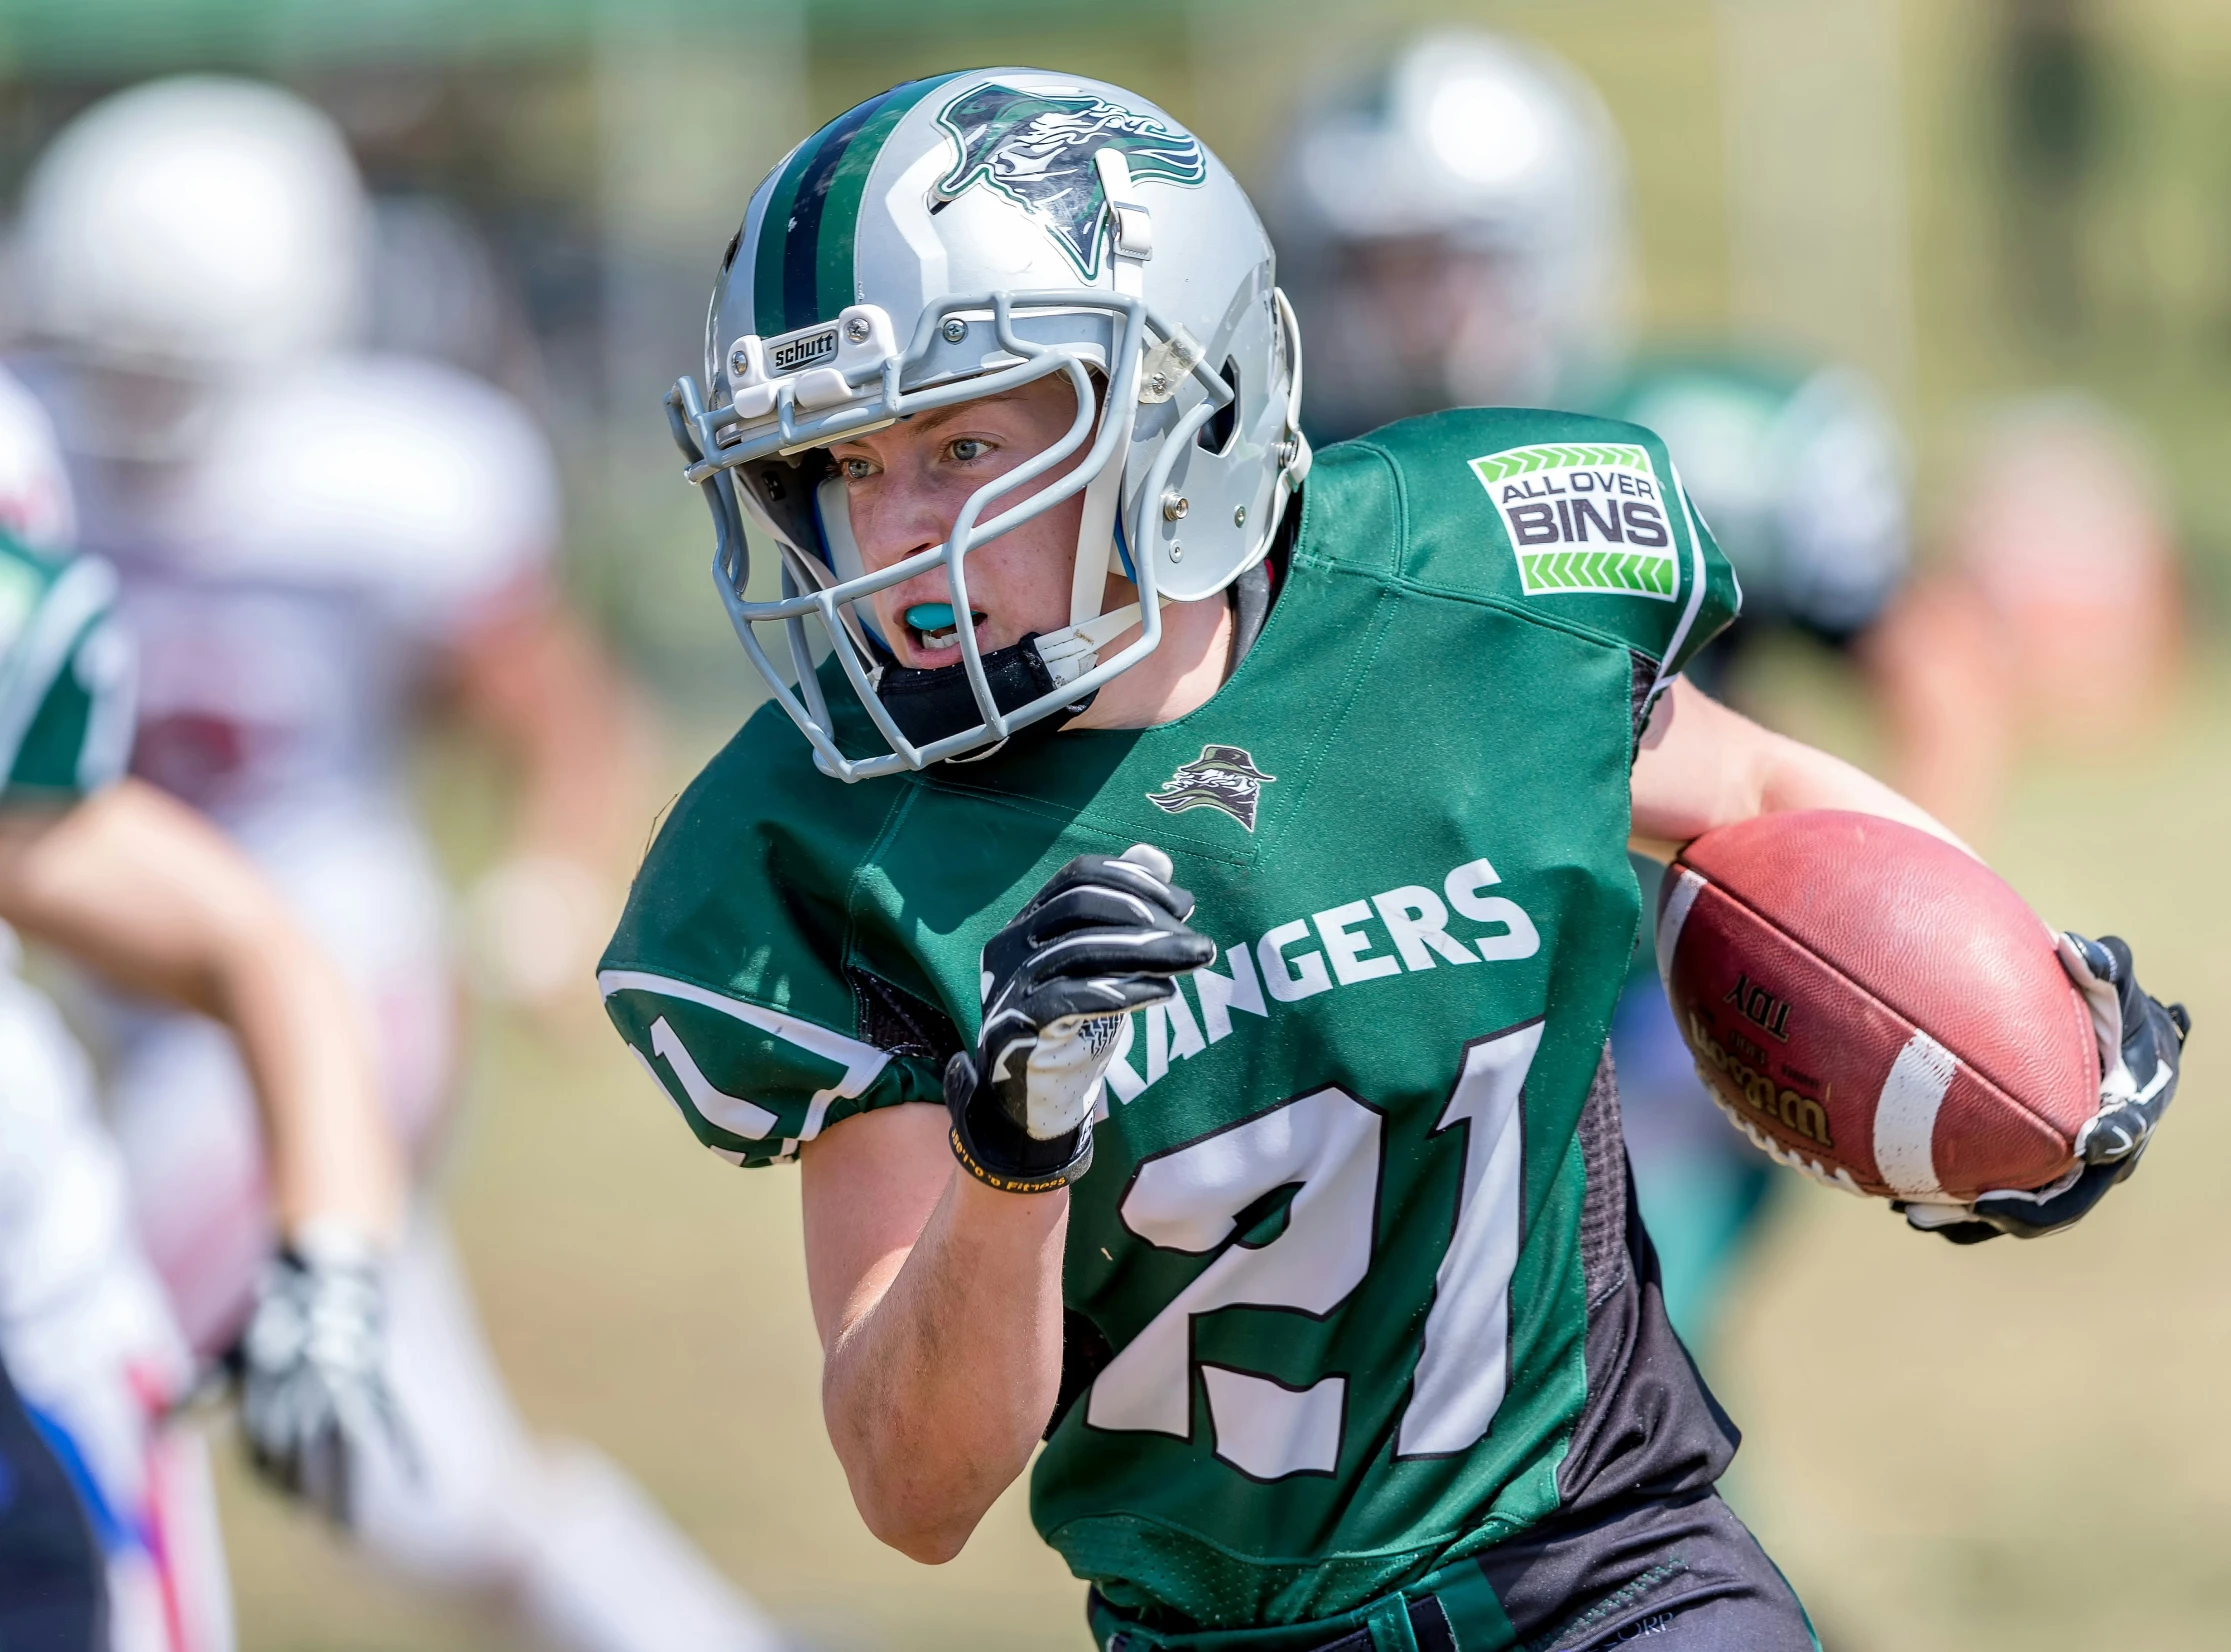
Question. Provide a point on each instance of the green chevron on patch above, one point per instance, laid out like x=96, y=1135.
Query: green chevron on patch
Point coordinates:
x=1584, y=518
x=1642, y=576
x=1558, y=455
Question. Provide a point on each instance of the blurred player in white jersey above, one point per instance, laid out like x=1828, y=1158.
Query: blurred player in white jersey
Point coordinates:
x=314, y=543
x=128, y=882
x=1454, y=229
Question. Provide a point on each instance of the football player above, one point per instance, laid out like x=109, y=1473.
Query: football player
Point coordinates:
x=313, y=541
x=123, y=879
x=2059, y=538
x=1176, y=924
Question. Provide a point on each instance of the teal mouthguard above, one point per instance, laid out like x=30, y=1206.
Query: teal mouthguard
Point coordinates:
x=930, y=616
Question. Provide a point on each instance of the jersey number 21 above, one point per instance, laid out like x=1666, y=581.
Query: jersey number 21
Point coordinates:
x=1326, y=1145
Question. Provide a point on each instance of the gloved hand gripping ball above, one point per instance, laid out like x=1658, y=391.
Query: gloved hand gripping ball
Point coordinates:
x=1875, y=1007
x=2141, y=1047
x=1103, y=937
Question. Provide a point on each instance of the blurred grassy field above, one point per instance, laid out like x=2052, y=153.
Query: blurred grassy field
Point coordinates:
x=2012, y=1447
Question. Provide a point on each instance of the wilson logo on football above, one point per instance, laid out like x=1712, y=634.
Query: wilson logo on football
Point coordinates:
x=1730, y=1077
x=1223, y=778
x=1583, y=517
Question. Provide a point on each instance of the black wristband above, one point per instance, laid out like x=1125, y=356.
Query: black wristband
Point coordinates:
x=996, y=1151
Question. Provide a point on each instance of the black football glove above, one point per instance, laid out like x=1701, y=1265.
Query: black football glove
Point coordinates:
x=1103, y=938
x=2141, y=1043
x=313, y=1391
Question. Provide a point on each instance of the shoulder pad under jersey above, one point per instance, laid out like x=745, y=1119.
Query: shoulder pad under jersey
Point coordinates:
x=66, y=677
x=731, y=974
x=1574, y=521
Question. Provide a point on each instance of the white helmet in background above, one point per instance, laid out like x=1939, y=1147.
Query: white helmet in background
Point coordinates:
x=36, y=508
x=1454, y=229
x=199, y=227
x=956, y=238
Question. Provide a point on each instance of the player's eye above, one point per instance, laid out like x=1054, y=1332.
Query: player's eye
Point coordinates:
x=854, y=469
x=966, y=449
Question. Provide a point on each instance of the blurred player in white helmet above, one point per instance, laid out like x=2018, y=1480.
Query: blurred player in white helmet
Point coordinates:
x=124, y=880
x=1457, y=225
x=313, y=540
x=1454, y=231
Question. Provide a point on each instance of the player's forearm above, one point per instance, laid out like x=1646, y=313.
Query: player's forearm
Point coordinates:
x=937, y=1393
x=1798, y=776
x=333, y=1154
x=583, y=739
x=147, y=894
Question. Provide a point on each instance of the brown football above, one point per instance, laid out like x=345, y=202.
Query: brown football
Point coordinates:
x=1875, y=1007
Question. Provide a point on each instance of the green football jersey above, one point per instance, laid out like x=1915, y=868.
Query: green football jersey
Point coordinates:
x=66, y=677
x=1350, y=1282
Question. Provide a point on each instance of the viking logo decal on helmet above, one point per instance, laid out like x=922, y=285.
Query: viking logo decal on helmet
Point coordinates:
x=1037, y=151
x=1224, y=778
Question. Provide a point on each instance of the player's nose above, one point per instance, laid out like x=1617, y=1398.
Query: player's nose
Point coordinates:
x=902, y=517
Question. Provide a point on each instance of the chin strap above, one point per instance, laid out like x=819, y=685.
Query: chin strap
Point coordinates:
x=1070, y=654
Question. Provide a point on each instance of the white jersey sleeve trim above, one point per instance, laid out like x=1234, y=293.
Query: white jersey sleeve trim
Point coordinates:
x=77, y=597
x=1698, y=577
x=862, y=1063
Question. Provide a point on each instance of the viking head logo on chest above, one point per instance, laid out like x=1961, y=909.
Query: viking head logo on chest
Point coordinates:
x=1224, y=778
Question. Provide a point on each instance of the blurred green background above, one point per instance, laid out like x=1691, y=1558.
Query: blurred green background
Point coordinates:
x=2012, y=1447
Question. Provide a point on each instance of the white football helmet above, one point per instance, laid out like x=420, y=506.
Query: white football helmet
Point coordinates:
x=198, y=227
x=1455, y=229
x=951, y=239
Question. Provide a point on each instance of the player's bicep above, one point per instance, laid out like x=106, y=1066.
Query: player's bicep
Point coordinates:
x=1697, y=768
x=870, y=1187
x=1702, y=766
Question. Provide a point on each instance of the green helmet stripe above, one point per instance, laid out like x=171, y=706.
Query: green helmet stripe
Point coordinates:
x=834, y=281
x=808, y=205
x=766, y=256
x=802, y=267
